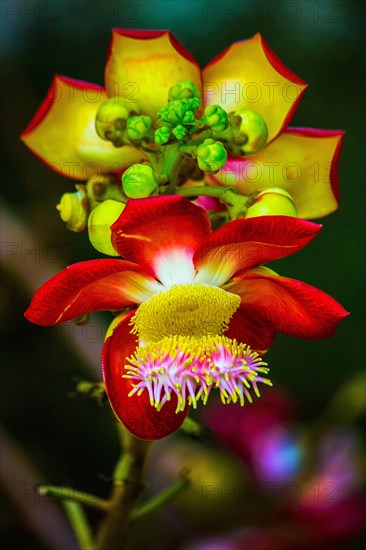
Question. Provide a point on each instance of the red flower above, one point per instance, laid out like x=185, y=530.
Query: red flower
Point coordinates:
x=191, y=284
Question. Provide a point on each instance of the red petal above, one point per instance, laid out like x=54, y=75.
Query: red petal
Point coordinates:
x=135, y=412
x=246, y=243
x=289, y=306
x=161, y=232
x=89, y=286
x=246, y=327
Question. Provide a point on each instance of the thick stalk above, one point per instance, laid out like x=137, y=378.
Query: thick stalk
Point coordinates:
x=205, y=191
x=168, y=170
x=127, y=488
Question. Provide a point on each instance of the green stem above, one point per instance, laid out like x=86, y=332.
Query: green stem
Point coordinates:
x=206, y=191
x=127, y=487
x=80, y=525
x=169, y=167
x=200, y=136
x=71, y=495
x=122, y=469
x=235, y=203
x=160, y=500
x=151, y=157
x=191, y=427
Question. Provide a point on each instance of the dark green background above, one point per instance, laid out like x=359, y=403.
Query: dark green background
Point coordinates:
x=68, y=438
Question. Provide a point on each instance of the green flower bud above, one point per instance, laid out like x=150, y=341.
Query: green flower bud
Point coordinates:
x=138, y=181
x=111, y=121
x=188, y=117
x=74, y=209
x=193, y=104
x=179, y=131
x=178, y=111
x=138, y=127
x=162, y=135
x=273, y=201
x=249, y=129
x=216, y=118
x=99, y=225
x=211, y=155
x=185, y=89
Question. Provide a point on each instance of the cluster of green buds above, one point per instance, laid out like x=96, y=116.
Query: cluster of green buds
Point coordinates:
x=179, y=111
x=182, y=140
x=177, y=118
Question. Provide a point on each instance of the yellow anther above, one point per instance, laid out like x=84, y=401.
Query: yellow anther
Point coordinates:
x=188, y=310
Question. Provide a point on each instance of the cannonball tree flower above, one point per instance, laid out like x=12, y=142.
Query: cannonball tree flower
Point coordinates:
x=244, y=99
x=196, y=307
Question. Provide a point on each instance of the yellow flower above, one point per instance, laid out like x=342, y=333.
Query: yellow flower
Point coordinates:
x=141, y=68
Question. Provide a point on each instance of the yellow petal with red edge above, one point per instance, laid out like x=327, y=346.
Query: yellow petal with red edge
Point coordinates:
x=248, y=75
x=303, y=161
x=62, y=132
x=143, y=65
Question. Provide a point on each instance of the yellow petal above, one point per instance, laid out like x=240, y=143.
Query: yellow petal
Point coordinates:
x=303, y=161
x=143, y=65
x=62, y=132
x=248, y=75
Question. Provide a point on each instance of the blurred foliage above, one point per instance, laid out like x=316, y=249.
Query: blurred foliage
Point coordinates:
x=70, y=439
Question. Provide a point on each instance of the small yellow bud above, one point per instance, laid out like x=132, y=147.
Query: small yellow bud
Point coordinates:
x=74, y=209
x=111, y=120
x=249, y=130
x=99, y=225
x=273, y=201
